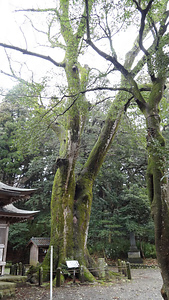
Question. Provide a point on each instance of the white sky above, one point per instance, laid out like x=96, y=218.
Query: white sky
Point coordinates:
x=11, y=34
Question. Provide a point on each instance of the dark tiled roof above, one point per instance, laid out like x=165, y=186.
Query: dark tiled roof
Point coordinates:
x=9, y=194
x=40, y=241
x=10, y=208
x=13, y=214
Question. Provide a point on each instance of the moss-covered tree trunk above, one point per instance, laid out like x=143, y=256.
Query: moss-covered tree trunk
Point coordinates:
x=72, y=199
x=157, y=181
x=84, y=186
x=158, y=192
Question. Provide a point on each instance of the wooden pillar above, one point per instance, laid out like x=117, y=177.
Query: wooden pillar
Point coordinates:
x=4, y=230
x=58, y=277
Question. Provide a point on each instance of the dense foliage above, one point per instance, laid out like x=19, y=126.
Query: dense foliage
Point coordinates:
x=120, y=203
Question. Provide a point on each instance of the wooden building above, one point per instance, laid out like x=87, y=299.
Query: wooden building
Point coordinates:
x=38, y=249
x=9, y=214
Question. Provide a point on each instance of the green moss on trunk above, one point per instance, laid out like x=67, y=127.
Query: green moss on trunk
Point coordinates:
x=157, y=184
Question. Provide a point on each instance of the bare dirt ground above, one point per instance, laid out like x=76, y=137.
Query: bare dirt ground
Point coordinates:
x=145, y=285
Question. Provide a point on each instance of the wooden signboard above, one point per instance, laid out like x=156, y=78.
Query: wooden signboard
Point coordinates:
x=72, y=264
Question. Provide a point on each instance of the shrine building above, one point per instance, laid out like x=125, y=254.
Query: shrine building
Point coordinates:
x=9, y=214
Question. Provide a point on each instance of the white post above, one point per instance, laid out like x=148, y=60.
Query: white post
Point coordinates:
x=51, y=271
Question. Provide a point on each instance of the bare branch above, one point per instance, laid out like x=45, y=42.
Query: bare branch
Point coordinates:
x=26, y=52
x=14, y=76
x=107, y=88
x=110, y=39
x=23, y=36
x=75, y=96
x=37, y=10
x=109, y=58
x=101, y=101
x=54, y=43
x=155, y=44
x=112, y=59
x=101, y=53
x=127, y=103
x=33, y=26
x=9, y=61
x=144, y=13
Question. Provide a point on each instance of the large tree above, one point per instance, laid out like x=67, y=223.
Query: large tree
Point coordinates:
x=72, y=192
x=153, y=14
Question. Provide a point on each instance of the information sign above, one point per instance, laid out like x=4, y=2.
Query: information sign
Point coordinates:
x=72, y=264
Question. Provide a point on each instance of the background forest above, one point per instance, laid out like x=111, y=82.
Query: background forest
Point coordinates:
x=120, y=203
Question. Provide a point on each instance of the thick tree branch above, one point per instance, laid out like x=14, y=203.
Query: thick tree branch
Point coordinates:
x=144, y=13
x=163, y=24
x=108, y=57
x=26, y=52
x=101, y=147
x=129, y=90
x=112, y=59
x=143, y=60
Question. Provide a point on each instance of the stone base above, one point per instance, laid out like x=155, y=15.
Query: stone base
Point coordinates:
x=8, y=283
x=133, y=249
x=135, y=260
x=134, y=257
x=7, y=289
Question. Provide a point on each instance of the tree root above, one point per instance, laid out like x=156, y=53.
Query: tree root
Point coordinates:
x=163, y=293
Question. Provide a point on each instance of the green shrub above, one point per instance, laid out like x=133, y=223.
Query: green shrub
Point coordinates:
x=149, y=250
x=118, y=248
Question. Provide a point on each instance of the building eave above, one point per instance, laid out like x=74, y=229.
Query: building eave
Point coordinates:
x=11, y=214
x=9, y=194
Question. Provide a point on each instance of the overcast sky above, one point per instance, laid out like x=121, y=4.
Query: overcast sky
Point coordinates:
x=11, y=33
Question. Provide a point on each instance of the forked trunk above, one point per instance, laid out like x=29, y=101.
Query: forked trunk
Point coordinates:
x=70, y=215
x=71, y=201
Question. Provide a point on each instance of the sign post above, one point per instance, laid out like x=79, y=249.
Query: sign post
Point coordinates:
x=73, y=264
x=51, y=271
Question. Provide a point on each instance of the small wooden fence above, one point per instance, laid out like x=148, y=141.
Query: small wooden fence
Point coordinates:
x=18, y=269
x=122, y=267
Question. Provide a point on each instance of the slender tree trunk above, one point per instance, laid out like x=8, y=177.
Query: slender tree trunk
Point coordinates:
x=158, y=192
x=157, y=182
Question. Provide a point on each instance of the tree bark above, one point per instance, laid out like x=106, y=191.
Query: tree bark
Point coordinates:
x=72, y=199
x=157, y=182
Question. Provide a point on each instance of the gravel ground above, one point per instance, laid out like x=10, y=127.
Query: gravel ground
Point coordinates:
x=145, y=285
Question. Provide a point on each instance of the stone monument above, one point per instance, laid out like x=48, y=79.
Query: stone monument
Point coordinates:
x=134, y=254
